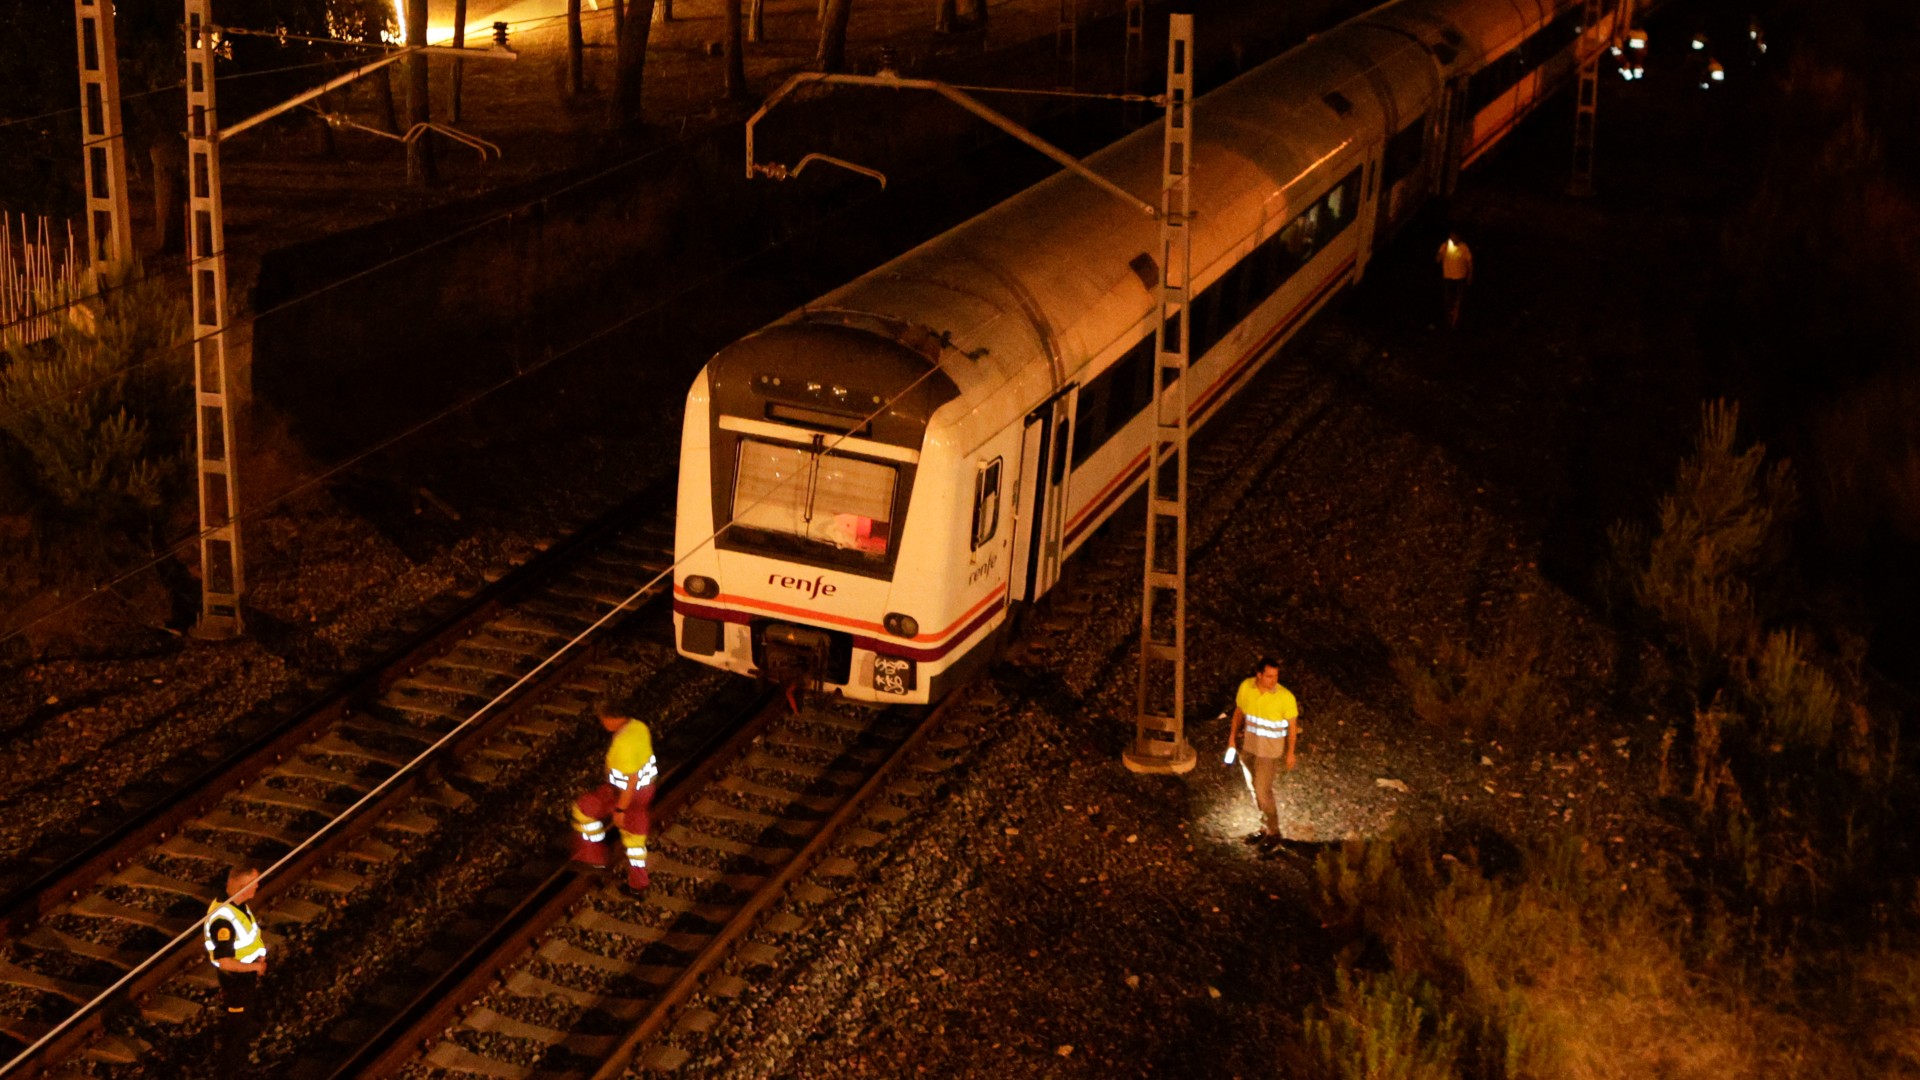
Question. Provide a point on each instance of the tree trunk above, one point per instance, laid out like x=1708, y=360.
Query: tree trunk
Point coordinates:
x=169, y=157
x=420, y=170
x=757, y=21
x=832, y=56
x=383, y=100
x=943, y=16
x=976, y=13
x=459, y=66
x=633, y=25
x=736, y=77
x=576, y=52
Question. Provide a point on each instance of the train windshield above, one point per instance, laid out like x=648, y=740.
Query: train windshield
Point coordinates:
x=816, y=497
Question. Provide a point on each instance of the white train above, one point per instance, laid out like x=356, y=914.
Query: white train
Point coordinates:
x=880, y=551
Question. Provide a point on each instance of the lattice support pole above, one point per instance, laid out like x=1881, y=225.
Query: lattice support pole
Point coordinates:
x=1160, y=740
x=104, y=151
x=1586, y=102
x=221, y=579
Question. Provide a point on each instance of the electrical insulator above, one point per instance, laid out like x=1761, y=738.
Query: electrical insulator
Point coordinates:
x=500, y=35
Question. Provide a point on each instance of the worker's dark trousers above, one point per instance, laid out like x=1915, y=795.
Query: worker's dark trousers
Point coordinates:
x=1456, y=295
x=239, y=1020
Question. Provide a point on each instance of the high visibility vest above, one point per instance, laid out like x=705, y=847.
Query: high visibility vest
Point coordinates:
x=1270, y=716
x=630, y=760
x=248, y=943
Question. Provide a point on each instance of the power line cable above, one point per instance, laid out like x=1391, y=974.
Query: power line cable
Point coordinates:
x=181, y=545
x=186, y=346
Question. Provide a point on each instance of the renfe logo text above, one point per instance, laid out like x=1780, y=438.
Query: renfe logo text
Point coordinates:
x=814, y=589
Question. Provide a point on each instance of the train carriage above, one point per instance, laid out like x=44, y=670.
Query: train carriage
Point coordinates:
x=873, y=485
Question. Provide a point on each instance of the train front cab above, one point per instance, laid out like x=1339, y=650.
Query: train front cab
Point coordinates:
x=801, y=538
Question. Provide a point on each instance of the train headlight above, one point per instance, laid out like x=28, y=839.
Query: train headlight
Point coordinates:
x=899, y=625
x=703, y=587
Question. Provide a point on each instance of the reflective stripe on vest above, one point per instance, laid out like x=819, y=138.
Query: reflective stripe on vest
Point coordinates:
x=647, y=774
x=1262, y=728
x=248, y=945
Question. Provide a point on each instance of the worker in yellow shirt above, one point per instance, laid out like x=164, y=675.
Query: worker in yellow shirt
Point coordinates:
x=1266, y=723
x=625, y=797
x=1456, y=273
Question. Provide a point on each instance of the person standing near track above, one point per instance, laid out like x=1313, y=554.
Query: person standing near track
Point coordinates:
x=626, y=797
x=238, y=948
x=1266, y=723
x=1456, y=273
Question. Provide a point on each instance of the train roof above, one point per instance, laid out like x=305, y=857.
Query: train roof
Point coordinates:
x=1026, y=294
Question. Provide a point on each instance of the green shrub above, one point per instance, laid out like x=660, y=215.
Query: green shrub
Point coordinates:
x=1719, y=526
x=95, y=421
x=1796, y=701
x=1382, y=1027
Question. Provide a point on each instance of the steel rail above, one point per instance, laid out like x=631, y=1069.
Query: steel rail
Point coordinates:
x=748, y=916
x=397, y=1042
x=71, y=1033
x=149, y=824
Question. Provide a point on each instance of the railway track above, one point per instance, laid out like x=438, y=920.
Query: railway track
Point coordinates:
x=583, y=980
x=119, y=914
x=734, y=848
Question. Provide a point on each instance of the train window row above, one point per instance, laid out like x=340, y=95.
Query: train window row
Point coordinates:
x=1542, y=45
x=1110, y=400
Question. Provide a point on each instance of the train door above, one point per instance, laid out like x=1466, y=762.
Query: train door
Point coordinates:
x=1046, y=449
x=1369, y=171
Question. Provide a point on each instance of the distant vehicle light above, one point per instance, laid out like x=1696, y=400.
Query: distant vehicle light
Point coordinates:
x=703, y=587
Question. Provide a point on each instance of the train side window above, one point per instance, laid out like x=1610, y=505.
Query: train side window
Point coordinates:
x=1206, y=322
x=1090, y=415
x=986, y=501
x=1132, y=385
x=1259, y=286
x=1239, y=291
x=1404, y=152
x=1060, y=446
x=1112, y=398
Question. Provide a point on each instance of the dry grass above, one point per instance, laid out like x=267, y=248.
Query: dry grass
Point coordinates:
x=1563, y=968
x=1496, y=690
